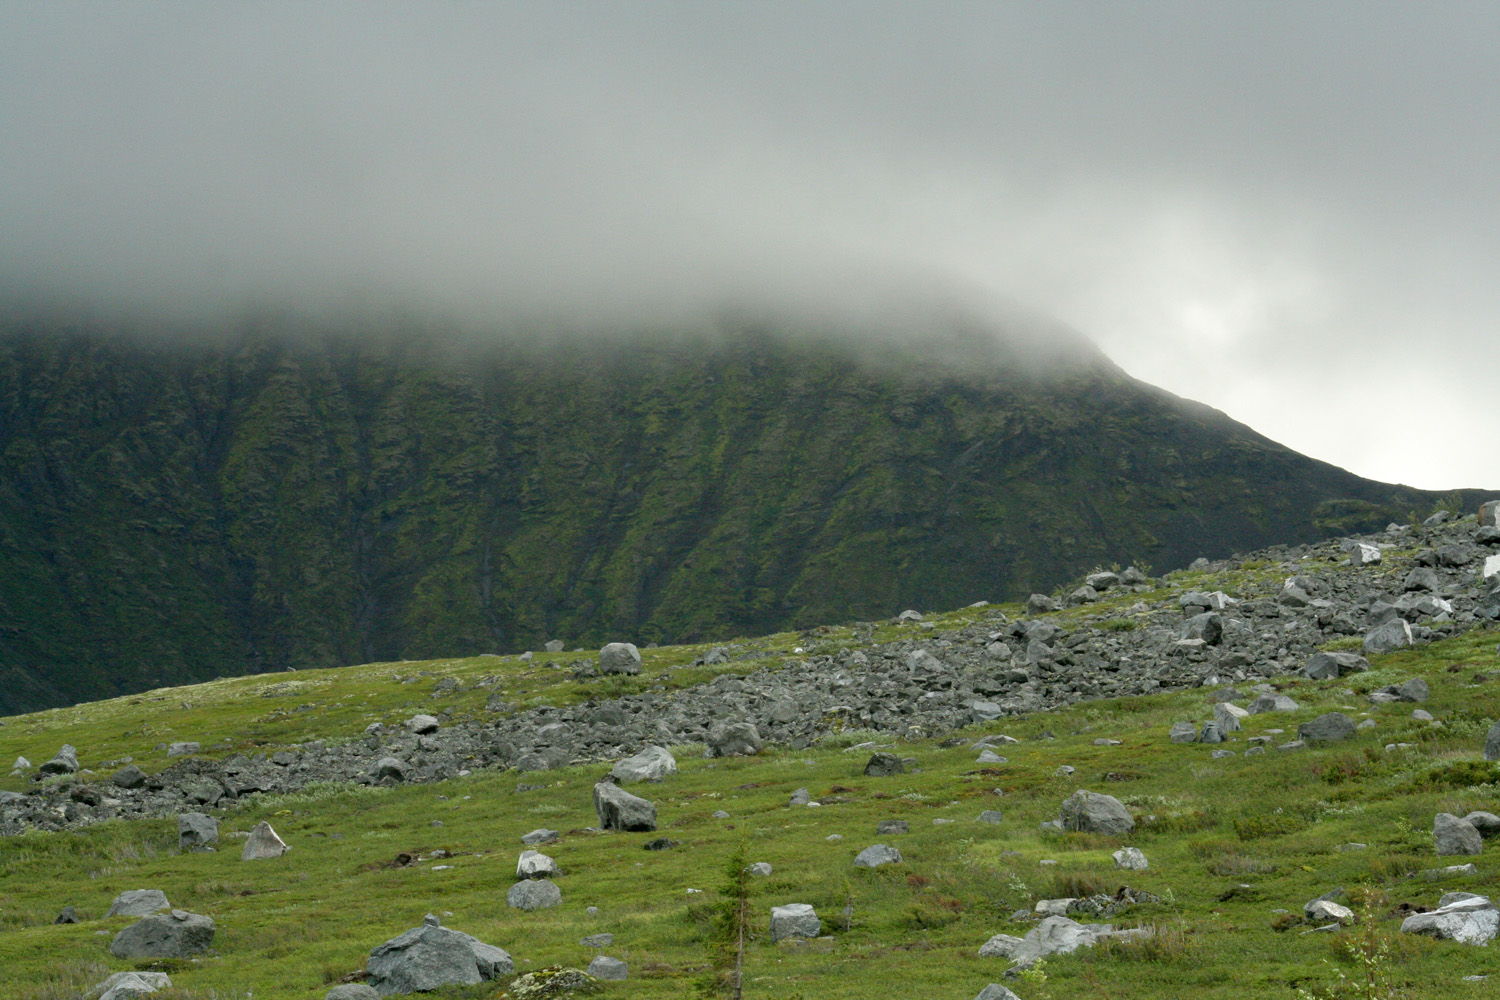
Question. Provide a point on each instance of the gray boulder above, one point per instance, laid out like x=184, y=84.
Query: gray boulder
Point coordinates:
x=391, y=769
x=263, y=843
x=1212, y=733
x=1058, y=935
x=1361, y=554
x=1329, y=728
x=1451, y=835
x=620, y=658
x=196, y=831
x=540, y=835
x=178, y=934
x=794, y=920
x=129, y=776
x=1000, y=946
x=1472, y=920
x=534, y=864
x=892, y=826
x=1391, y=634
x=876, y=855
x=883, y=765
x=1487, y=823
x=1093, y=812
x=131, y=985
x=1131, y=859
x=991, y=816
x=65, y=762
x=422, y=724
x=994, y=991
x=1421, y=578
x=1228, y=716
x=652, y=764
x=734, y=739
x=533, y=894
x=1414, y=690
x=431, y=956
x=617, y=809
x=183, y=748
x=1207, y=626
x=352, y=991
x=138, y=903
x=1492, y=743
x=608, y=969
x=1328, y=666
x=1272, y=703
x=1183, y=732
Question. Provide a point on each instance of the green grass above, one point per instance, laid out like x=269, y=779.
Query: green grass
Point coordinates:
x=1229, y=841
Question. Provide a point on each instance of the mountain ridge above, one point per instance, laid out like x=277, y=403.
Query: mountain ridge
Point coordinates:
x=176, y=510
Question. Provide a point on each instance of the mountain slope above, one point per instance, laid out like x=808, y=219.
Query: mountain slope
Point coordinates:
x=172, y=511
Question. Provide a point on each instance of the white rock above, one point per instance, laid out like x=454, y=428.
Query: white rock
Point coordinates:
x=1131, y=858
x=1361, y=554
x=263, y=843
x=794, y=920
x=535, y=864
x=1468, y=921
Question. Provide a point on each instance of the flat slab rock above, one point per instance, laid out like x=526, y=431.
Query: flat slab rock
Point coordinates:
x=1472, y=919
x=131, y=985
x=138, y=903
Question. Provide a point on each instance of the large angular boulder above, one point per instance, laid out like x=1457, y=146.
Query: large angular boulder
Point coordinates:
x=1470, y=920
x=1492, y=743
x=1229, y=716
x=1131, y=859
x=651, y=764
x=1330, y=665
x=1093, y=812
x=606, y=969
x=138, y=903
x=1361, y=554
x=1183, y=732
x=421, y=725
x=617, y=809
x=734, y=739
x=1391, y=634
x=619, y=658
x=1329, y=728
x=876, y=855
x=794, y=920
x=1272, y=703
x=994, y=991
x=263, y=843
x=352, y=991
x=131, y=985
x=1057, y=935
x=432, y=956
x=1452, y=835
x=883, y=765
x=129, y=776
x=535, y=864
x=196, y=832
x=533, y=894
x=178, y=934
x=65, y=762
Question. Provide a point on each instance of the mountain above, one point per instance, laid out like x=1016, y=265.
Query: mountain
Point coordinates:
x=176, y=508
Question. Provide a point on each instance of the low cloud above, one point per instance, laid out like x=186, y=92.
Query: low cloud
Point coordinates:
x=1284, y=211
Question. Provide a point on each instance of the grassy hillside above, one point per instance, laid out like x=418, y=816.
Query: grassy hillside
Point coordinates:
x=1231, y=841
x=178, y=510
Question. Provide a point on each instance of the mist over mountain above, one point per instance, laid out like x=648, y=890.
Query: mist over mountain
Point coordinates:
x=288, y=492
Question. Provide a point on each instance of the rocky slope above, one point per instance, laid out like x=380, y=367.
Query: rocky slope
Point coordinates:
x=1248, y=619
x=173, y=511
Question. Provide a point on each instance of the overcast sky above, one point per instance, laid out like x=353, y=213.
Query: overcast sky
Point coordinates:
x=1290, y=211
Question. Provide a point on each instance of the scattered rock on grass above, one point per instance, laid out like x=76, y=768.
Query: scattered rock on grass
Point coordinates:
x=794, y=920
x=263, y=843
x=1452, y=835
x=138, y=903
x=178, y=934
x=617, y=809
x=1093, y=812
x=533, y=894
x=1469, y=920
x=431, y=956
x=652, y=764
x=1131, y=859
x=608, y=969
x=131, y=985
x=876, y=855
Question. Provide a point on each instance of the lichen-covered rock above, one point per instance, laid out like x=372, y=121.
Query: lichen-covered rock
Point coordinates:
x=1094, y=812
x=534, y=894
x=652, y=764
x=178, y=934
x=619, y=658
x=138, y=903
x=554, y=981
x=795, y=920
x=263, y=843
x=617, y=809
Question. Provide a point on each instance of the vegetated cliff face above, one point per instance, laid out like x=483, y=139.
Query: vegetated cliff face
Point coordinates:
x=173, y=511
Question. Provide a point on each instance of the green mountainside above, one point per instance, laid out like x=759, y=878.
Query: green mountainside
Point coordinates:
x=177, y=510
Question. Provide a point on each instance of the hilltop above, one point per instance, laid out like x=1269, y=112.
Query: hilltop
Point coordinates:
x=1241, y=827
x=180, y=508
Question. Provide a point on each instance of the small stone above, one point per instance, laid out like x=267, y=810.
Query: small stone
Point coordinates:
x=991, y=816
x=1131, y=859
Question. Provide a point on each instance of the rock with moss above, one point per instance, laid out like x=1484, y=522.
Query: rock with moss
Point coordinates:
x=554, y=981
x=178, y=934
x=1094, y=812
